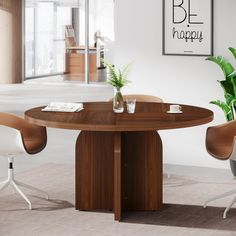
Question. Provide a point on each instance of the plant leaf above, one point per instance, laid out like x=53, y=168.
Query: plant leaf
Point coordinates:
x=233, y=82
x=117, y=78
x=232, y=106
x=233, y=51
x=229, y=98
x=227, y=86
x=225, y=108
x=224, y=64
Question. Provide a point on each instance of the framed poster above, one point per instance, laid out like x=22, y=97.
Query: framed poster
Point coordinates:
x=188, y=27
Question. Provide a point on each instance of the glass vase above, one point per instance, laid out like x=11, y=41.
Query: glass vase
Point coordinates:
x=118, y=102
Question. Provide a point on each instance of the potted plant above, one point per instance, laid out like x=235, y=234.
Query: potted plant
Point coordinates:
x=118, y=79
x=229, y=87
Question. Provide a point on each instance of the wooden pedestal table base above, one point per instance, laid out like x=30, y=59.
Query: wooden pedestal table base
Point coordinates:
x=119, y=156
x=119, y=171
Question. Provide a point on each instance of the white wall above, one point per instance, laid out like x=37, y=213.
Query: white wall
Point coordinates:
x=186, y=80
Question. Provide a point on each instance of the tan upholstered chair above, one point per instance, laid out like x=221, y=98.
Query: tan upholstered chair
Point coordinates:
x=220, y=143
x=141, y=98
x=18, y=137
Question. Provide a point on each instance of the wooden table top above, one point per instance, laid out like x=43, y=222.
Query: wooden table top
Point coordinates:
x=99, y=116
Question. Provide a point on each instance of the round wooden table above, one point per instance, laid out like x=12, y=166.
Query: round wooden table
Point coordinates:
x=119, y=156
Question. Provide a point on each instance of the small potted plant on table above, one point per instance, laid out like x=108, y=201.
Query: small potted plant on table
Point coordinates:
x=118, y=79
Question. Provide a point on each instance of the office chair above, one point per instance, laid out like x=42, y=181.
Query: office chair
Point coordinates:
x=141, y=98
x=19, y=137
x=220, y=143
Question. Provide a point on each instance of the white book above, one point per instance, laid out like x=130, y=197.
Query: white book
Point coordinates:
x=63, y=107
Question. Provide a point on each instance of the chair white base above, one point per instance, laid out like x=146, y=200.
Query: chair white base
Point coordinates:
x=16, y=184
x=222, y=196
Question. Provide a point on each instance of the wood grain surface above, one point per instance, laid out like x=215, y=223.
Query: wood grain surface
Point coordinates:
x=99, y=116
x=94, y=171
x=120, y=169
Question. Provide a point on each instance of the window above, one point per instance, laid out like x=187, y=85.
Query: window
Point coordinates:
x=45, y=22
x=44, y=39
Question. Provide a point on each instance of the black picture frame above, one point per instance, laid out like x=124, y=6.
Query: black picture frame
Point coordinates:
x=188, y=52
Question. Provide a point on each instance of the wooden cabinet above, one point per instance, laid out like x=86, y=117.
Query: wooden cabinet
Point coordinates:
x=75, y=63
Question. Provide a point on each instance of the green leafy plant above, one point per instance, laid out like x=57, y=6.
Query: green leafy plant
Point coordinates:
x=228, y=85
x=117, y=77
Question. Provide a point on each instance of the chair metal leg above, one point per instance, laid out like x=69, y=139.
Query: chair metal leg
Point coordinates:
x=13, y=189
x=228, y=207
x=21, y=193
x=32, y=188
x=3, y=185
x=219, y=196
x=16, y=184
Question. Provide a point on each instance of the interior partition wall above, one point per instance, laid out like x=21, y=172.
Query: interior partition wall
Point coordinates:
x=11, y=41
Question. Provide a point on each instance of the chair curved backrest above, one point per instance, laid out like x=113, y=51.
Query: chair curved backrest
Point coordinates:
x=11, y=141
x=142, y=98
x=220, y=141
x=33, y=137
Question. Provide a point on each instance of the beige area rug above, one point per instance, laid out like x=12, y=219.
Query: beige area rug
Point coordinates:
x=182, y=213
